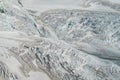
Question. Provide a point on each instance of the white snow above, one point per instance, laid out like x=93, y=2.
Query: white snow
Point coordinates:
x=11, y=62
x=43, y=5
x=13, y=38
x=38, y=76
x=10, y=39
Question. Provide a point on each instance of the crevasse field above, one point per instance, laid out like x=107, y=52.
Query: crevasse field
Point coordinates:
x=59, y=40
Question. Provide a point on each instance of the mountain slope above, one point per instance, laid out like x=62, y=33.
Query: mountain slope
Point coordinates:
x=90, y=28
x=58, y=44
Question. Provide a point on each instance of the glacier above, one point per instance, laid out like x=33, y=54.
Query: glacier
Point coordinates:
x=59, y=44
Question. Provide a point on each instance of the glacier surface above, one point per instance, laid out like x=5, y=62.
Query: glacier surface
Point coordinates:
x=59, y=44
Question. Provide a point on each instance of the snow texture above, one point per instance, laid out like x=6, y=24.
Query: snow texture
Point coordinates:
x=60, y=44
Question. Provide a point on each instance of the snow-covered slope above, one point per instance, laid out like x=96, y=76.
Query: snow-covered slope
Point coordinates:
x=96, y=33
x=96, y=5
x=59, y=44
x=14, y=17
x=15, y=26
